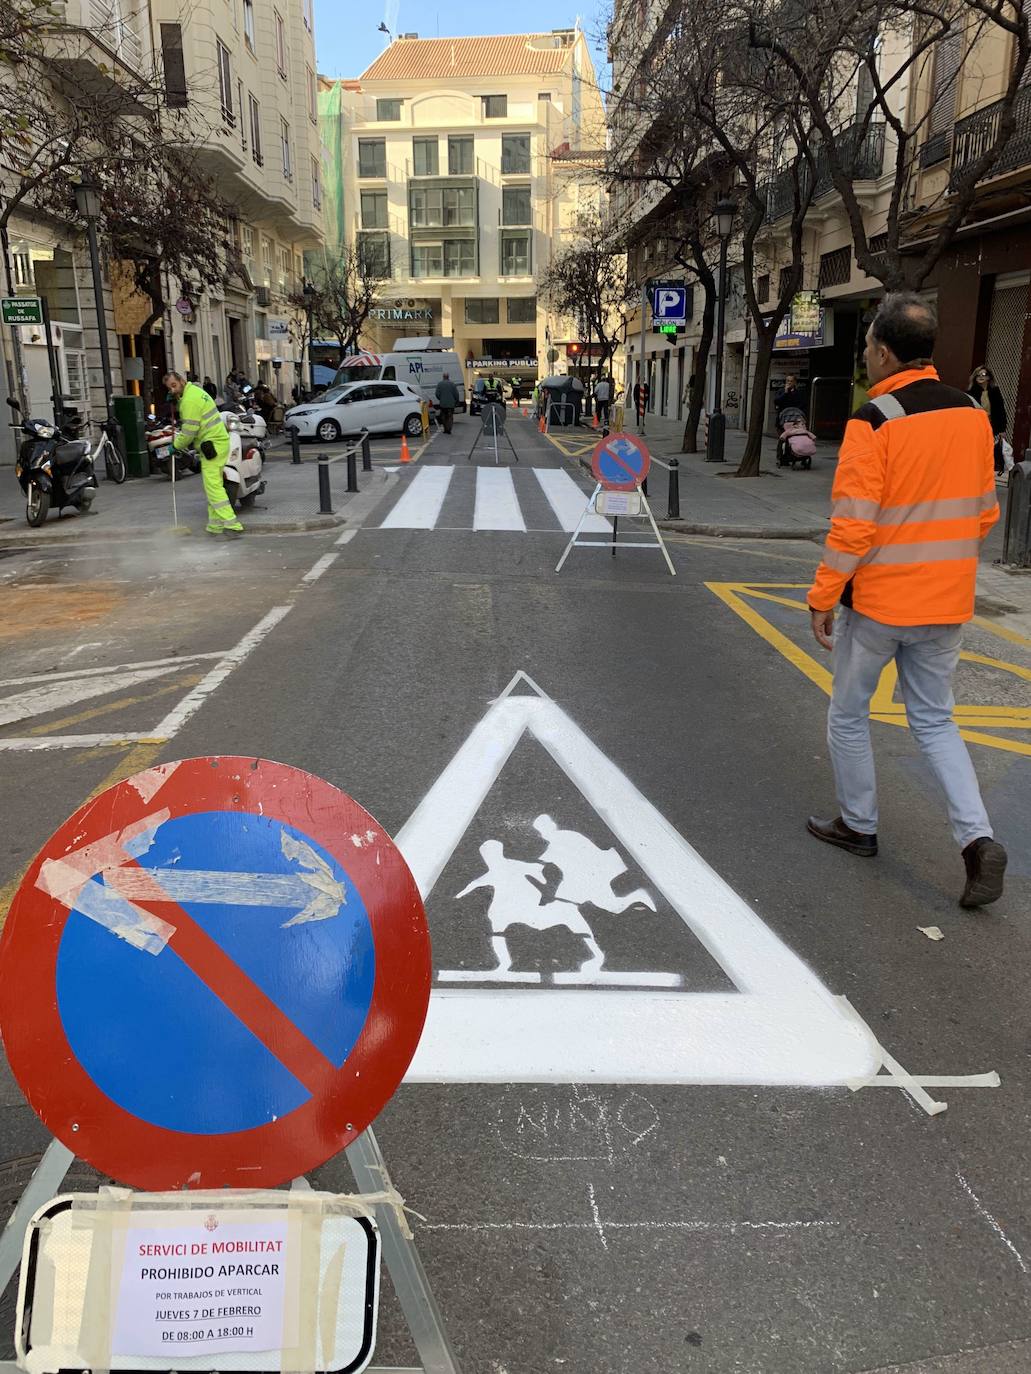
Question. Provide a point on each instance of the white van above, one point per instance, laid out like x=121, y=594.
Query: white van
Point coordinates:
x=420, y=363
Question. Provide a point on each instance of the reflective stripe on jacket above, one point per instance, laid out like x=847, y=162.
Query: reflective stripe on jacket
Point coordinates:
x=199, y=420
x=914, y=495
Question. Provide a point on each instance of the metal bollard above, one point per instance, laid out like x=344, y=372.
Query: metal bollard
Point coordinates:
x=366, y=453
x=295, y=446
x=325, y=502
x=352, y=469
x=1016, y=549
x=673, y=511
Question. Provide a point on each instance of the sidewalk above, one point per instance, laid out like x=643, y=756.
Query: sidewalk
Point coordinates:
x=782, y=503
x=144, y=506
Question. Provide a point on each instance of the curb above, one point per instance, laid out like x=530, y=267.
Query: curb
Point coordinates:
x=42, y=536
x=804, y=533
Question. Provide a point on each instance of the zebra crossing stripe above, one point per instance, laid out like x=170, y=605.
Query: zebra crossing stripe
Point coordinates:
x=497, y=507
x=567, y=500
x=419, y=508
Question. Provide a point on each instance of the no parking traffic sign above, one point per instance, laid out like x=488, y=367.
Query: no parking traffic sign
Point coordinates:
x=620, y=462
x=214, y=975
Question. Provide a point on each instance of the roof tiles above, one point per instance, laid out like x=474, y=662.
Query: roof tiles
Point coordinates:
x=434, y=59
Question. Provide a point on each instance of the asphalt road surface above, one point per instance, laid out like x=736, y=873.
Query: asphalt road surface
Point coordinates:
x=628, y=917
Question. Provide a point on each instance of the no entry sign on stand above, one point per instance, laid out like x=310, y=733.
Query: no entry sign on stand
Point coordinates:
x=620, y=462
x=214, y=975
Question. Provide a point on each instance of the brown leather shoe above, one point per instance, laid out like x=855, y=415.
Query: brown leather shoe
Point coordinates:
x=986, y=867
x=836, y=832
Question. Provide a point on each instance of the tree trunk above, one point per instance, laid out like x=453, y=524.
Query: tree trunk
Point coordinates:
x=749, y=466
x=689, y=443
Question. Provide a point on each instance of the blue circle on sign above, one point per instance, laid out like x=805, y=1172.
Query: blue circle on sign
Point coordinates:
x=158, y=1040
x=620, y=460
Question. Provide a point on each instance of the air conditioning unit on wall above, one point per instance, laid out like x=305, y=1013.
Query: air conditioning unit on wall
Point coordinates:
x=263, y=295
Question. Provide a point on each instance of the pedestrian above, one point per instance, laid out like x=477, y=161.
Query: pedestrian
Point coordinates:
x=914, y=496
x=790, y=396
x=536, y=397
x=210, y=387
x=603, y=399
x=201, y=428
x=449, y=400
x=231, y=389
x=985, y=392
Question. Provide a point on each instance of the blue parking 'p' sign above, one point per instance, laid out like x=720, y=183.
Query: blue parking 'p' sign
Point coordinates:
x=669, y=304
x=620, y=462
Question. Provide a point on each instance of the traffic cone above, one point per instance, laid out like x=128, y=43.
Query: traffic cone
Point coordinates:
x=406, y=457
x=525, y=412
x=542, y=427
x=594, y=422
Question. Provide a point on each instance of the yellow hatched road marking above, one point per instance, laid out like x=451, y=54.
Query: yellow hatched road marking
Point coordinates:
x=883, y=706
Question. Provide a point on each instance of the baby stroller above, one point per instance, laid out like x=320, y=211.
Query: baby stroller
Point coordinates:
x=796, y=443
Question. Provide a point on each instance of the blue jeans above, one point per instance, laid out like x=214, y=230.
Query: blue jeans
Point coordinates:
x=926, y=657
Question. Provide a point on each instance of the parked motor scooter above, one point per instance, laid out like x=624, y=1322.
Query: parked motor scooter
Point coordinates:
x=242, y=475
x=52, y=469
x=251, y=421
x=160, y=434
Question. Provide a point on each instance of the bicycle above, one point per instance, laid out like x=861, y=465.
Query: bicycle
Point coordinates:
x=114, y=463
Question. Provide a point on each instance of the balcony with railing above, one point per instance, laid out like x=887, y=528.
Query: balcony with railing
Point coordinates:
x=976, y=133
x=862, y=157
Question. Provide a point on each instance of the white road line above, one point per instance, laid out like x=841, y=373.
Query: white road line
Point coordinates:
x=730, y=1227
x=317, y=569
x=192, y=702
x=183, y=661
x=567, y=500
x=29, y=746
x=40, y=700
x=993, y=1224
x=497, y=507
x=347, y=536
x=419, y=508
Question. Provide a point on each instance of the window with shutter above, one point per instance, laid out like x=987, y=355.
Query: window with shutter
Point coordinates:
x=947, y=53
x=174, y=66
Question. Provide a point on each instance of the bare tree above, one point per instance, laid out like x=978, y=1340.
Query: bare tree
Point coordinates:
x=587, y=282
x=834, y=52
x=346, y=289
x=170, y=230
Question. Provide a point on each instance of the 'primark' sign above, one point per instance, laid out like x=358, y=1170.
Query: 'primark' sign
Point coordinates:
x=401, y=312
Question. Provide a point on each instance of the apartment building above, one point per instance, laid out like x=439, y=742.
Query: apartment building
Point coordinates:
x=950, y=101
x=453, y=189
x=103, y=54
x=246, y=70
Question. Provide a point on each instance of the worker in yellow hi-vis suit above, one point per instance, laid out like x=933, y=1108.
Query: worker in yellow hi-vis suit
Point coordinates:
x=201, y=428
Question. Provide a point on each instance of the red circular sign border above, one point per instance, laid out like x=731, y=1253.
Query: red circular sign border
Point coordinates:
x=152, y=1157
x=633, y=483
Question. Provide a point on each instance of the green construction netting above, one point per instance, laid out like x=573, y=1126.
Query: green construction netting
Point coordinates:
x=331, y=131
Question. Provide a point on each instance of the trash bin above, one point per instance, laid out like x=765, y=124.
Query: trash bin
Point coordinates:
x=129, y=416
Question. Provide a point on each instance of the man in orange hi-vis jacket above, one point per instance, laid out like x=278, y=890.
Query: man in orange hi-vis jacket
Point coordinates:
x=914, y=495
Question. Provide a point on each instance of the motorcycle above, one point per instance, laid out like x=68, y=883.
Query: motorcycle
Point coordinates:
x=242, y=474
x=52, y=469
x=160, y=434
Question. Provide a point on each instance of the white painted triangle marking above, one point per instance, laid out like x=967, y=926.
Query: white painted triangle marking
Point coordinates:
x=782, y=1026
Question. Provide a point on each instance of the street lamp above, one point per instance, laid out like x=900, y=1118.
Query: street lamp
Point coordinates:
x=87, y=202
x=725, y=212
x=308, y=291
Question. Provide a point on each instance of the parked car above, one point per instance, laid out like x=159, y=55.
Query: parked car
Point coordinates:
x=379, y=407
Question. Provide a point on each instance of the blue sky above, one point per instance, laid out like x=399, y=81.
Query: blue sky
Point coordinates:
x=347, y=38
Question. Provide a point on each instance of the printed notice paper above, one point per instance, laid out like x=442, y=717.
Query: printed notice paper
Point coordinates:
x=198, y=1286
